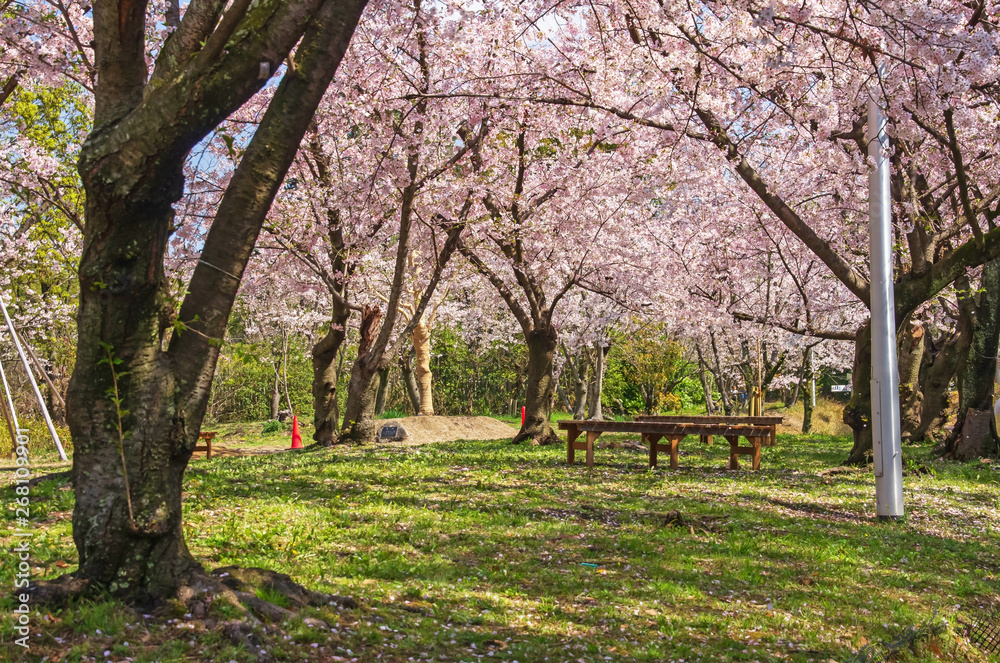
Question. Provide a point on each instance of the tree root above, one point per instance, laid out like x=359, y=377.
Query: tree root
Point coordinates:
x=239, y=588
x=537, y=439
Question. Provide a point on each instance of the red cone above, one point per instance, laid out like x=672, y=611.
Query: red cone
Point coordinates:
x=296, y=438
x=522, y=416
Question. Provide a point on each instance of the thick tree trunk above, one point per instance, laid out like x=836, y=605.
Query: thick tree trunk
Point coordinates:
x=976, y=371
x=359, y=410
x=939, y=371
x=910, y=346
x=421, y=338
x=383, y=385
x=580, y=391
x=406, y=370
x=128, y=530
x=326, y=374
x=858, y=412
x=597, y=386
x=542, y=344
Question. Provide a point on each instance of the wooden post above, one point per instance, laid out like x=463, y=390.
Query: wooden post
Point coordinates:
x=675, y=441
x=734, y=457
x=653, y=441
x=756, y=441
x=572, y=432
x=591, y=438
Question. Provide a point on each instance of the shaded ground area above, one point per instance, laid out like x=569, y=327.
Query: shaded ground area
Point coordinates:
x=484, y=551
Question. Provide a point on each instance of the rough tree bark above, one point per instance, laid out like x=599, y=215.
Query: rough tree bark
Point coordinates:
x=421, y=338
x=910, y=353
x=128, y=532
x=383, y=386
x=973, y=436
x=858, y=411
x=706, y=387
x=941, y=365
x=326, y=375
x=409, y=380
x=542, y=345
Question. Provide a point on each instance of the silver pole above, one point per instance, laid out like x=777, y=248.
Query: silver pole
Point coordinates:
x=885, y=377
x=814, y=390
x=10, y=401
x=31, y=378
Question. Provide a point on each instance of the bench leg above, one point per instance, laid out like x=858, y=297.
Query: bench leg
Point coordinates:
x=651, y=440
x=674, y=452
x=571, y=435
x=707, y=439
x=591, y=438
x=774, y=435
x=208, y=455
x=734, y=457
x=756, y=442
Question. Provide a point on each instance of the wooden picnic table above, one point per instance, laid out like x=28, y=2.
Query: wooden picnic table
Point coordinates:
x=772, y=422
x=652, y=431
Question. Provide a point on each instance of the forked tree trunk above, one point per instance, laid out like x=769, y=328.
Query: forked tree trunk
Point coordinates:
x=541, y=353
x=706, y=386
x=858, y=412
x=128, y=532
x=910, y=346
x=973, y=437
x=326, y=375
x=421, y=338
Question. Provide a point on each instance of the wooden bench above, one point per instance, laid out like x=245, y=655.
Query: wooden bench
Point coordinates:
x=772, y=422
x=673, y=432
x=207, y=448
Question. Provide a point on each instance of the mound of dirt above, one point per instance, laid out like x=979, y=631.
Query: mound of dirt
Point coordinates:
x=425, y=430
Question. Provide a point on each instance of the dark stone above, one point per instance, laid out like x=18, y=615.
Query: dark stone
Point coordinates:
x=392, y=432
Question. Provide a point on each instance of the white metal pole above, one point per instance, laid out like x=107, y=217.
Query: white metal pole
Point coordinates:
x=34, y=384
x=885, y=377
x=814, y=390
x=10, y=400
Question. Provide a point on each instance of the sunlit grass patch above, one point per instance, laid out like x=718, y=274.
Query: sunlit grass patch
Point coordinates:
x=472, y=551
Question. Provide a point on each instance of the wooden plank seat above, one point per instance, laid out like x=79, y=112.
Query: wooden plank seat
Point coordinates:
x=772, y=422
x=207, y=447
x=672, y=432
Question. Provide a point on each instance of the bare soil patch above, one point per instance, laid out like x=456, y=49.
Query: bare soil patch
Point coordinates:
x=427, y=430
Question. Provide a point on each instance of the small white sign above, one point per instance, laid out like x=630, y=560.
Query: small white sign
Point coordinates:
x=840, y=388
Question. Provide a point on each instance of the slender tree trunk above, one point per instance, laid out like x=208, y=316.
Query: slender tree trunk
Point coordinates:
x=421, y=338
x=406, y=370
x=807, y=404
x=706, y=386
x=326, y=375
x=973, y=435
x=910, y=346
x=858, y=412
x=542, y=343
x=724, y=387
x=581, y=389
x=383, y=385
x=275, y=396
x=597, y=386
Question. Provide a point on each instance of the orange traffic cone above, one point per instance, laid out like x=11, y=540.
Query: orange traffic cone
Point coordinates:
x=296, y=437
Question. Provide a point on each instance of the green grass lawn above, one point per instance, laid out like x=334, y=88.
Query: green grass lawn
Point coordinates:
x=483, y=551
